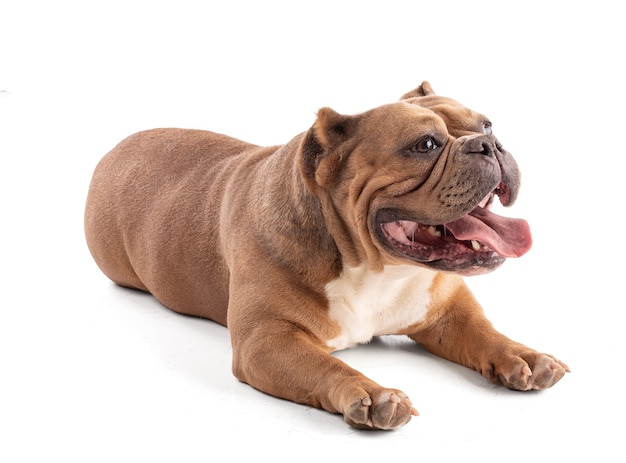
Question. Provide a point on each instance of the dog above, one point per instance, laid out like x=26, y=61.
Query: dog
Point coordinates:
x=364, y=225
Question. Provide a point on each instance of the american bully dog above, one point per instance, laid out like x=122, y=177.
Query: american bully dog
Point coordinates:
x=364, y=225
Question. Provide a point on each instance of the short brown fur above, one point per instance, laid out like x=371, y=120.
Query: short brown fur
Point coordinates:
x=250, y=237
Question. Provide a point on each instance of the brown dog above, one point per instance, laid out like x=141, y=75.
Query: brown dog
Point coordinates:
x=361, y=226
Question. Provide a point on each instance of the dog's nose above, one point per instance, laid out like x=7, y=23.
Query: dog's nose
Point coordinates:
x=480, y=144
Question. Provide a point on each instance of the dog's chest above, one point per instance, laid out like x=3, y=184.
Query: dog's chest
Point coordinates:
x=365, y=303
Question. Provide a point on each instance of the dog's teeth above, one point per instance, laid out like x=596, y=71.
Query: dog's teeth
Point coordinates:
x=475, y=245
x=485, y=200
x=433, y=231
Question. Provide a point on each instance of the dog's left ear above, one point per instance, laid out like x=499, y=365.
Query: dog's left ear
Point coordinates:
x=423, y=90
x=324, y=146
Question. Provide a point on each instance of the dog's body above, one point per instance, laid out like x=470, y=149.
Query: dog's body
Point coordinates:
x=322, y=243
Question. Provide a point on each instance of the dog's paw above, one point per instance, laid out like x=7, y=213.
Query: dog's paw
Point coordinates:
x=382, y=409
x=527, y=370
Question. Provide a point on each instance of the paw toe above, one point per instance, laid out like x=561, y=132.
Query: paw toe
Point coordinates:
x=385, y=409
x=533, y=372
x=547, y=372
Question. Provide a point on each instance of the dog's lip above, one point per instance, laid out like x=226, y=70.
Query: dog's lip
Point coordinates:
x=437, y=248
x=480, y=238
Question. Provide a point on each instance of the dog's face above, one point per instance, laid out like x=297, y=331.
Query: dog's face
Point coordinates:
x=414, y=180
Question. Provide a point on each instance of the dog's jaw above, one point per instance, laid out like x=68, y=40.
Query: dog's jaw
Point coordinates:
x=475, y=243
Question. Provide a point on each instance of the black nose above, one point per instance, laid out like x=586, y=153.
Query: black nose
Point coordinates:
x=481, y=144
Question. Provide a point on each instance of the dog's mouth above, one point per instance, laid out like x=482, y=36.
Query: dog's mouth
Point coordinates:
x=477, y=242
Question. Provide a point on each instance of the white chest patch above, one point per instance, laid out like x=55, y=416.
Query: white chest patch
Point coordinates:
x=365, y=303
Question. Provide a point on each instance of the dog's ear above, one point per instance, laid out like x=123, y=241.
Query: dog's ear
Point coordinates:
x=423, y=90
x=324, y=146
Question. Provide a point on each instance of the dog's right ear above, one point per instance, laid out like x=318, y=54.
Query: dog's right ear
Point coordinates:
x=423, y=90
x=323, y=147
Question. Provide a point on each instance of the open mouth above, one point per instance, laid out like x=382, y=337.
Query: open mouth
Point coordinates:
x=478, y=239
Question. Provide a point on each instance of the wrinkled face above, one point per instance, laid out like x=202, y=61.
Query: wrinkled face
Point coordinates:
x=415, y=181
x=453, y=228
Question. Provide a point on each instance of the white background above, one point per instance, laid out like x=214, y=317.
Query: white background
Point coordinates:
x=92, y=372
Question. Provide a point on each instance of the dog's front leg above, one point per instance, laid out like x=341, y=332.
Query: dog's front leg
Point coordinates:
x=457, y=329
x=284, y=359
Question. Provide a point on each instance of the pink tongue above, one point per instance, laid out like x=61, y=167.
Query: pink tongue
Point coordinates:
x=508, y=237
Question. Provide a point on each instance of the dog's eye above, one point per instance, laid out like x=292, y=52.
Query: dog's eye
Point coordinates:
x=425, y=145
x=487, y=128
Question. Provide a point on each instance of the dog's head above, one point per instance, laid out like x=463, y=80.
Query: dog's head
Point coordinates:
x=414, y=181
